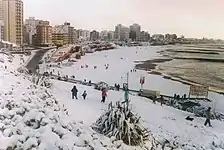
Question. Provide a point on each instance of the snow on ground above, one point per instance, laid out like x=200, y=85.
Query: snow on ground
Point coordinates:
x=163, y=121
x=32, y=118
x=120, y=62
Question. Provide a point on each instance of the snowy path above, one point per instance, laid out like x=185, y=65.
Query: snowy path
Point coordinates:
x=164, y=122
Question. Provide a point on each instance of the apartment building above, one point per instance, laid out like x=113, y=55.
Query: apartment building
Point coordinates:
x=59, y=39
x=12, y=15
x=65, y=31
x=144, y=36
x=94, y=35
x=70, y=35
x=124, y=34
x=135, y=32
x=30, y=30
x=121, y=33
x=43, y=36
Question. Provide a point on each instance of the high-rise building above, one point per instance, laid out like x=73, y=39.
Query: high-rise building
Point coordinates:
x=67, y=30
x=30, y=29
x=145, y=36
x=117, y=32
x=124, y=34
x=1, y=10
x=43, y=36
x=83, y=34
x=111, y=35
x=70, y=35
x=135, y=32
x=121, y=33
x=94, y=35
x=59, y=39
x=75, y=35
x=12, y=11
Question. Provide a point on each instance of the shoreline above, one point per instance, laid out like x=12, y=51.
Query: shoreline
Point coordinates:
x=151, y=65
x=184, y=81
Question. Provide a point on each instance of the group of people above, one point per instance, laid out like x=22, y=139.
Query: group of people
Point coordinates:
x=75, y=93
x=133, y=70
x=177, y=97
x=117, y=86
x=107, y=66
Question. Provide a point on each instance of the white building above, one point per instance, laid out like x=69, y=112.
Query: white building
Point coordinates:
x=84, y=35
x=30, y=29
x=104, y=35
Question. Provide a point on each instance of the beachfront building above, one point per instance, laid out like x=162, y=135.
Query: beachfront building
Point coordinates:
x=83, y=34
x=29, y=31
x=43, y=36
x=94, y=35
x=135, y=32
x=144, y=36
x=65, y=31
x=121, y=33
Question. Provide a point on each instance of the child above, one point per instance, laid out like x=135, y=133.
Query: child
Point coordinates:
x=84, y=95
x=104, y=95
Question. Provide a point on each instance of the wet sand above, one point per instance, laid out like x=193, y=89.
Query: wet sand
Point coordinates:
x=149, y=64
x=196, y=70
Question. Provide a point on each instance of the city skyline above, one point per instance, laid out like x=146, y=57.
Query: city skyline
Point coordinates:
x=190, y=18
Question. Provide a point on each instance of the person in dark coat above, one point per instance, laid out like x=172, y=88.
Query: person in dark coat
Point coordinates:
x=118, y=87
x=161, y=100
x=74, y=92
x=104, y=95
x=84, y=95
x=175, y=96
x=208, y=117
x=115, y=85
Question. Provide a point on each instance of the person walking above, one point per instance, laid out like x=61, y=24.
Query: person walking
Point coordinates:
x=104, y=95
x=115, y=86
x=208, y=117
x=74, y=92
x=84, y=95
x=161, y=100
x=118, y=87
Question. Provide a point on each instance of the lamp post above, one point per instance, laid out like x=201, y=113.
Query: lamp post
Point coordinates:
x=126, y=91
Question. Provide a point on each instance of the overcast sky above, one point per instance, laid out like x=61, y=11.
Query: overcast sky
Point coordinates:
x=192, y=18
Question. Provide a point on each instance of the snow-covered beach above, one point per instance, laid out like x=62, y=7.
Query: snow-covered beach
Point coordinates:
x=47, y=105
x=121, y=61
